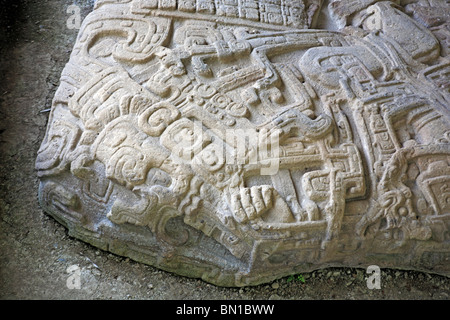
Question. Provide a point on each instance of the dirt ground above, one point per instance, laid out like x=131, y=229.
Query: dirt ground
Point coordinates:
x=36, y=251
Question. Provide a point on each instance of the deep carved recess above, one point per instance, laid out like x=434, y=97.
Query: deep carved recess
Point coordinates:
x=240, y=141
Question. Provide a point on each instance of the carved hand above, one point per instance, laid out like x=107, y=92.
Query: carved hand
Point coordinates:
x=251, y=203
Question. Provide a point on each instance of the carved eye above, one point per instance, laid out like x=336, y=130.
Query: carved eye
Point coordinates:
x=212, y=158
x=372, y=22
x=195, y=41
x=186, y=134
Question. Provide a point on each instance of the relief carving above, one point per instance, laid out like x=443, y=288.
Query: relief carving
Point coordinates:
x=243, y=141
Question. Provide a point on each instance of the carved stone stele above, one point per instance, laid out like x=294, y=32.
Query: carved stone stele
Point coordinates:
x=240, y=141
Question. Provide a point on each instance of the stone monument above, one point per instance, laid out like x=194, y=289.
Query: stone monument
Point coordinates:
x=240, y=141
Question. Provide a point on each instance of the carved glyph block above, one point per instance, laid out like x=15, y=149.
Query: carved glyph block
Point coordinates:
x=242, y=141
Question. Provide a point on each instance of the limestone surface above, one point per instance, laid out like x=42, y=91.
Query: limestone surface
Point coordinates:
x=240, y=141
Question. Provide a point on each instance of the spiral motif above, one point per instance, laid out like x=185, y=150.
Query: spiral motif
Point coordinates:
x=185, y=139
x=237, y=110
x=221, y=101
x=155, y=119
x=205, y=91
x=128, y=166
x=52, y=155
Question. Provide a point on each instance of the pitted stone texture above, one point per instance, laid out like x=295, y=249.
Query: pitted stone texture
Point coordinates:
x=237, y=142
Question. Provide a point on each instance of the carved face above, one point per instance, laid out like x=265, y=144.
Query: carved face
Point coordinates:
x=172, y=62
x=174, y=65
